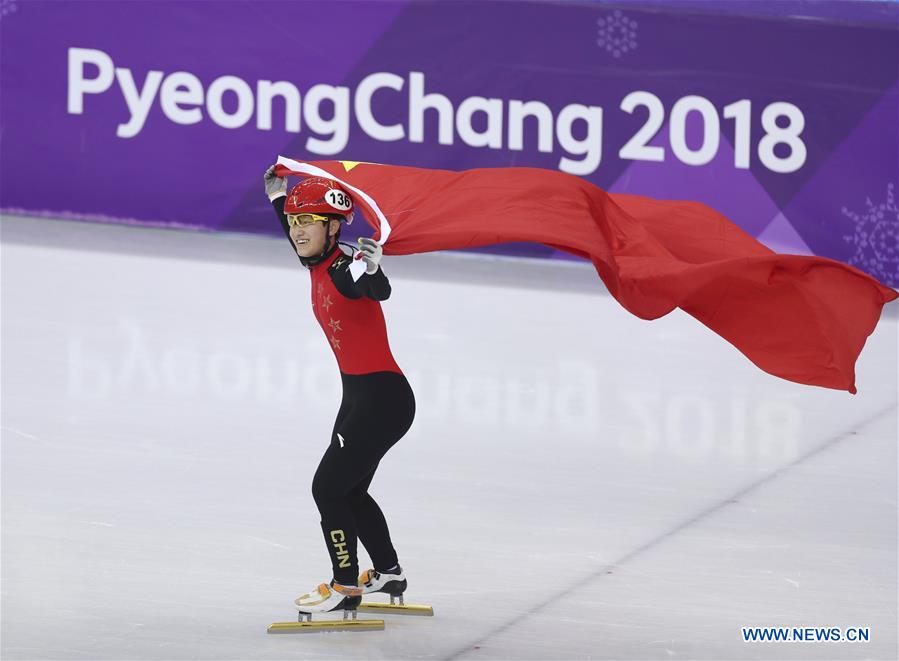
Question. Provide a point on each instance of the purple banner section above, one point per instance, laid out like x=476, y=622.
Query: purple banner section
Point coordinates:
x=781, y=115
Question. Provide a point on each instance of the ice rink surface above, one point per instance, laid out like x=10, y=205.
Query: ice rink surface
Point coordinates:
x=578, y=483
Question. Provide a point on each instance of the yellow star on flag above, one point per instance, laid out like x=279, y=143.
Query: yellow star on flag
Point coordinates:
x=349, y=165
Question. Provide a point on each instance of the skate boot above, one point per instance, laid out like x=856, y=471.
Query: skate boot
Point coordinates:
x=393, y=581
x=326, y=598
x=333, y=598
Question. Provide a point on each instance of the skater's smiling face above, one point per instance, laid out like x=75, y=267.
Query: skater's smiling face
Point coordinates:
x=310, y=239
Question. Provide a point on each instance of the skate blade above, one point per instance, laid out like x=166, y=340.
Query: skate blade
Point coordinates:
x=326, y=625
x=395, y=609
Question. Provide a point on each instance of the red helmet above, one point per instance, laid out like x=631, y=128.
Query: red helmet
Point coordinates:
x=319, y=195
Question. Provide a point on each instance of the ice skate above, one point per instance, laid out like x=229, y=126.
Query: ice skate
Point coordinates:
x=333, y=598
x=326, y=598
x=393, y=583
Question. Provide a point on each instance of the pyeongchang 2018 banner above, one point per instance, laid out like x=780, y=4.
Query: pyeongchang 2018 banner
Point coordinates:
x=780, y=115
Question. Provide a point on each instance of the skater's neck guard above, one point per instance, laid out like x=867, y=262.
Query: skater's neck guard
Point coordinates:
x=309, y=262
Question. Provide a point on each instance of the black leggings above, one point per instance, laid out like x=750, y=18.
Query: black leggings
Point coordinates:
x=377, y=409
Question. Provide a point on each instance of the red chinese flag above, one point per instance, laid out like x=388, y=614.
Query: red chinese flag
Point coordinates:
x=801, y=318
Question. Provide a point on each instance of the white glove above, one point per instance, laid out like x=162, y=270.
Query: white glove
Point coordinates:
x=275, y=186
x=371, y=254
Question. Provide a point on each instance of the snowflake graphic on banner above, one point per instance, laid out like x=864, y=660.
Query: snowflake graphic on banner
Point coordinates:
x=876, y=238
x=617, y=33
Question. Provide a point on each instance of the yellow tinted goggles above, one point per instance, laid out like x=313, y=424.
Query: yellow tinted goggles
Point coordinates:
x=294, y=219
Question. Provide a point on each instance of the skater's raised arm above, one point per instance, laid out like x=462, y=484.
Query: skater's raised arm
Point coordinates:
x=278, y=203
x=377, y=285
x=276, y=189
x=374, y=285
